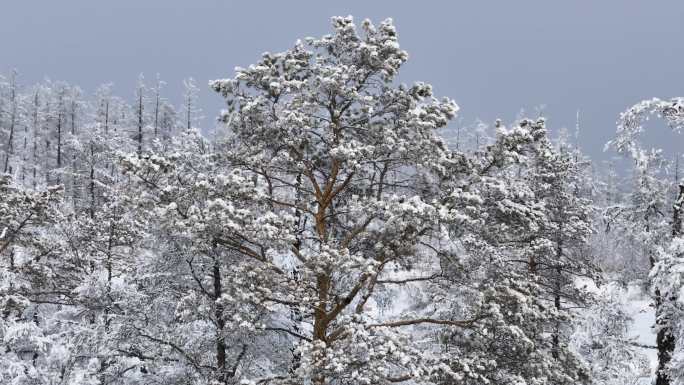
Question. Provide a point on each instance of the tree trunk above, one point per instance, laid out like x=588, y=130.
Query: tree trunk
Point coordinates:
x=35, y=160
x=665, y=341
x=34, y=155
x=10, y=140
x=59, y=144
x=297, y=319
x=140, y=124
x=106, y=119
x=555, y=339
x=13, y=121
x=156, y=113
x=92, y=181
x=104, y=362
x=221, y=372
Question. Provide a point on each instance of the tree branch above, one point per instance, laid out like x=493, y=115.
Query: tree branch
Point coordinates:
x=461, y=323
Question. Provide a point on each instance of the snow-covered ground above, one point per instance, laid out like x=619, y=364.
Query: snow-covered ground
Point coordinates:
x=639, y=307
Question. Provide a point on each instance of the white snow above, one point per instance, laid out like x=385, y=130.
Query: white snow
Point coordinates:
x=639, y=307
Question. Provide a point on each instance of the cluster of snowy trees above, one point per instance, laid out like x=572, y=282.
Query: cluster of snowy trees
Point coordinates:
x=327, y=234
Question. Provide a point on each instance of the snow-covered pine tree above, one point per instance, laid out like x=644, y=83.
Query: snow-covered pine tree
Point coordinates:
x=603, y=336
x=510, y=262
x=349, y=158
x=660, y=222
x=24, y=217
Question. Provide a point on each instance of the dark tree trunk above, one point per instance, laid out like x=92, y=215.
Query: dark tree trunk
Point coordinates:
x=156, y=113
x=555, y=339
x=10, y=143
x=297, y=319
x=35, y=162
x=13, y=120
x=92, y=181
x=59, y=144
x=34, y=154
x=222, y=372
x=140, y=124
x=665, y=341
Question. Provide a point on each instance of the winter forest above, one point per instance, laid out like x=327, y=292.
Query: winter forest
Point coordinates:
x=332, y=226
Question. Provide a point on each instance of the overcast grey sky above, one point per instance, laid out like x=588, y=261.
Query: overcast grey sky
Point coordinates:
x=492, y=57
